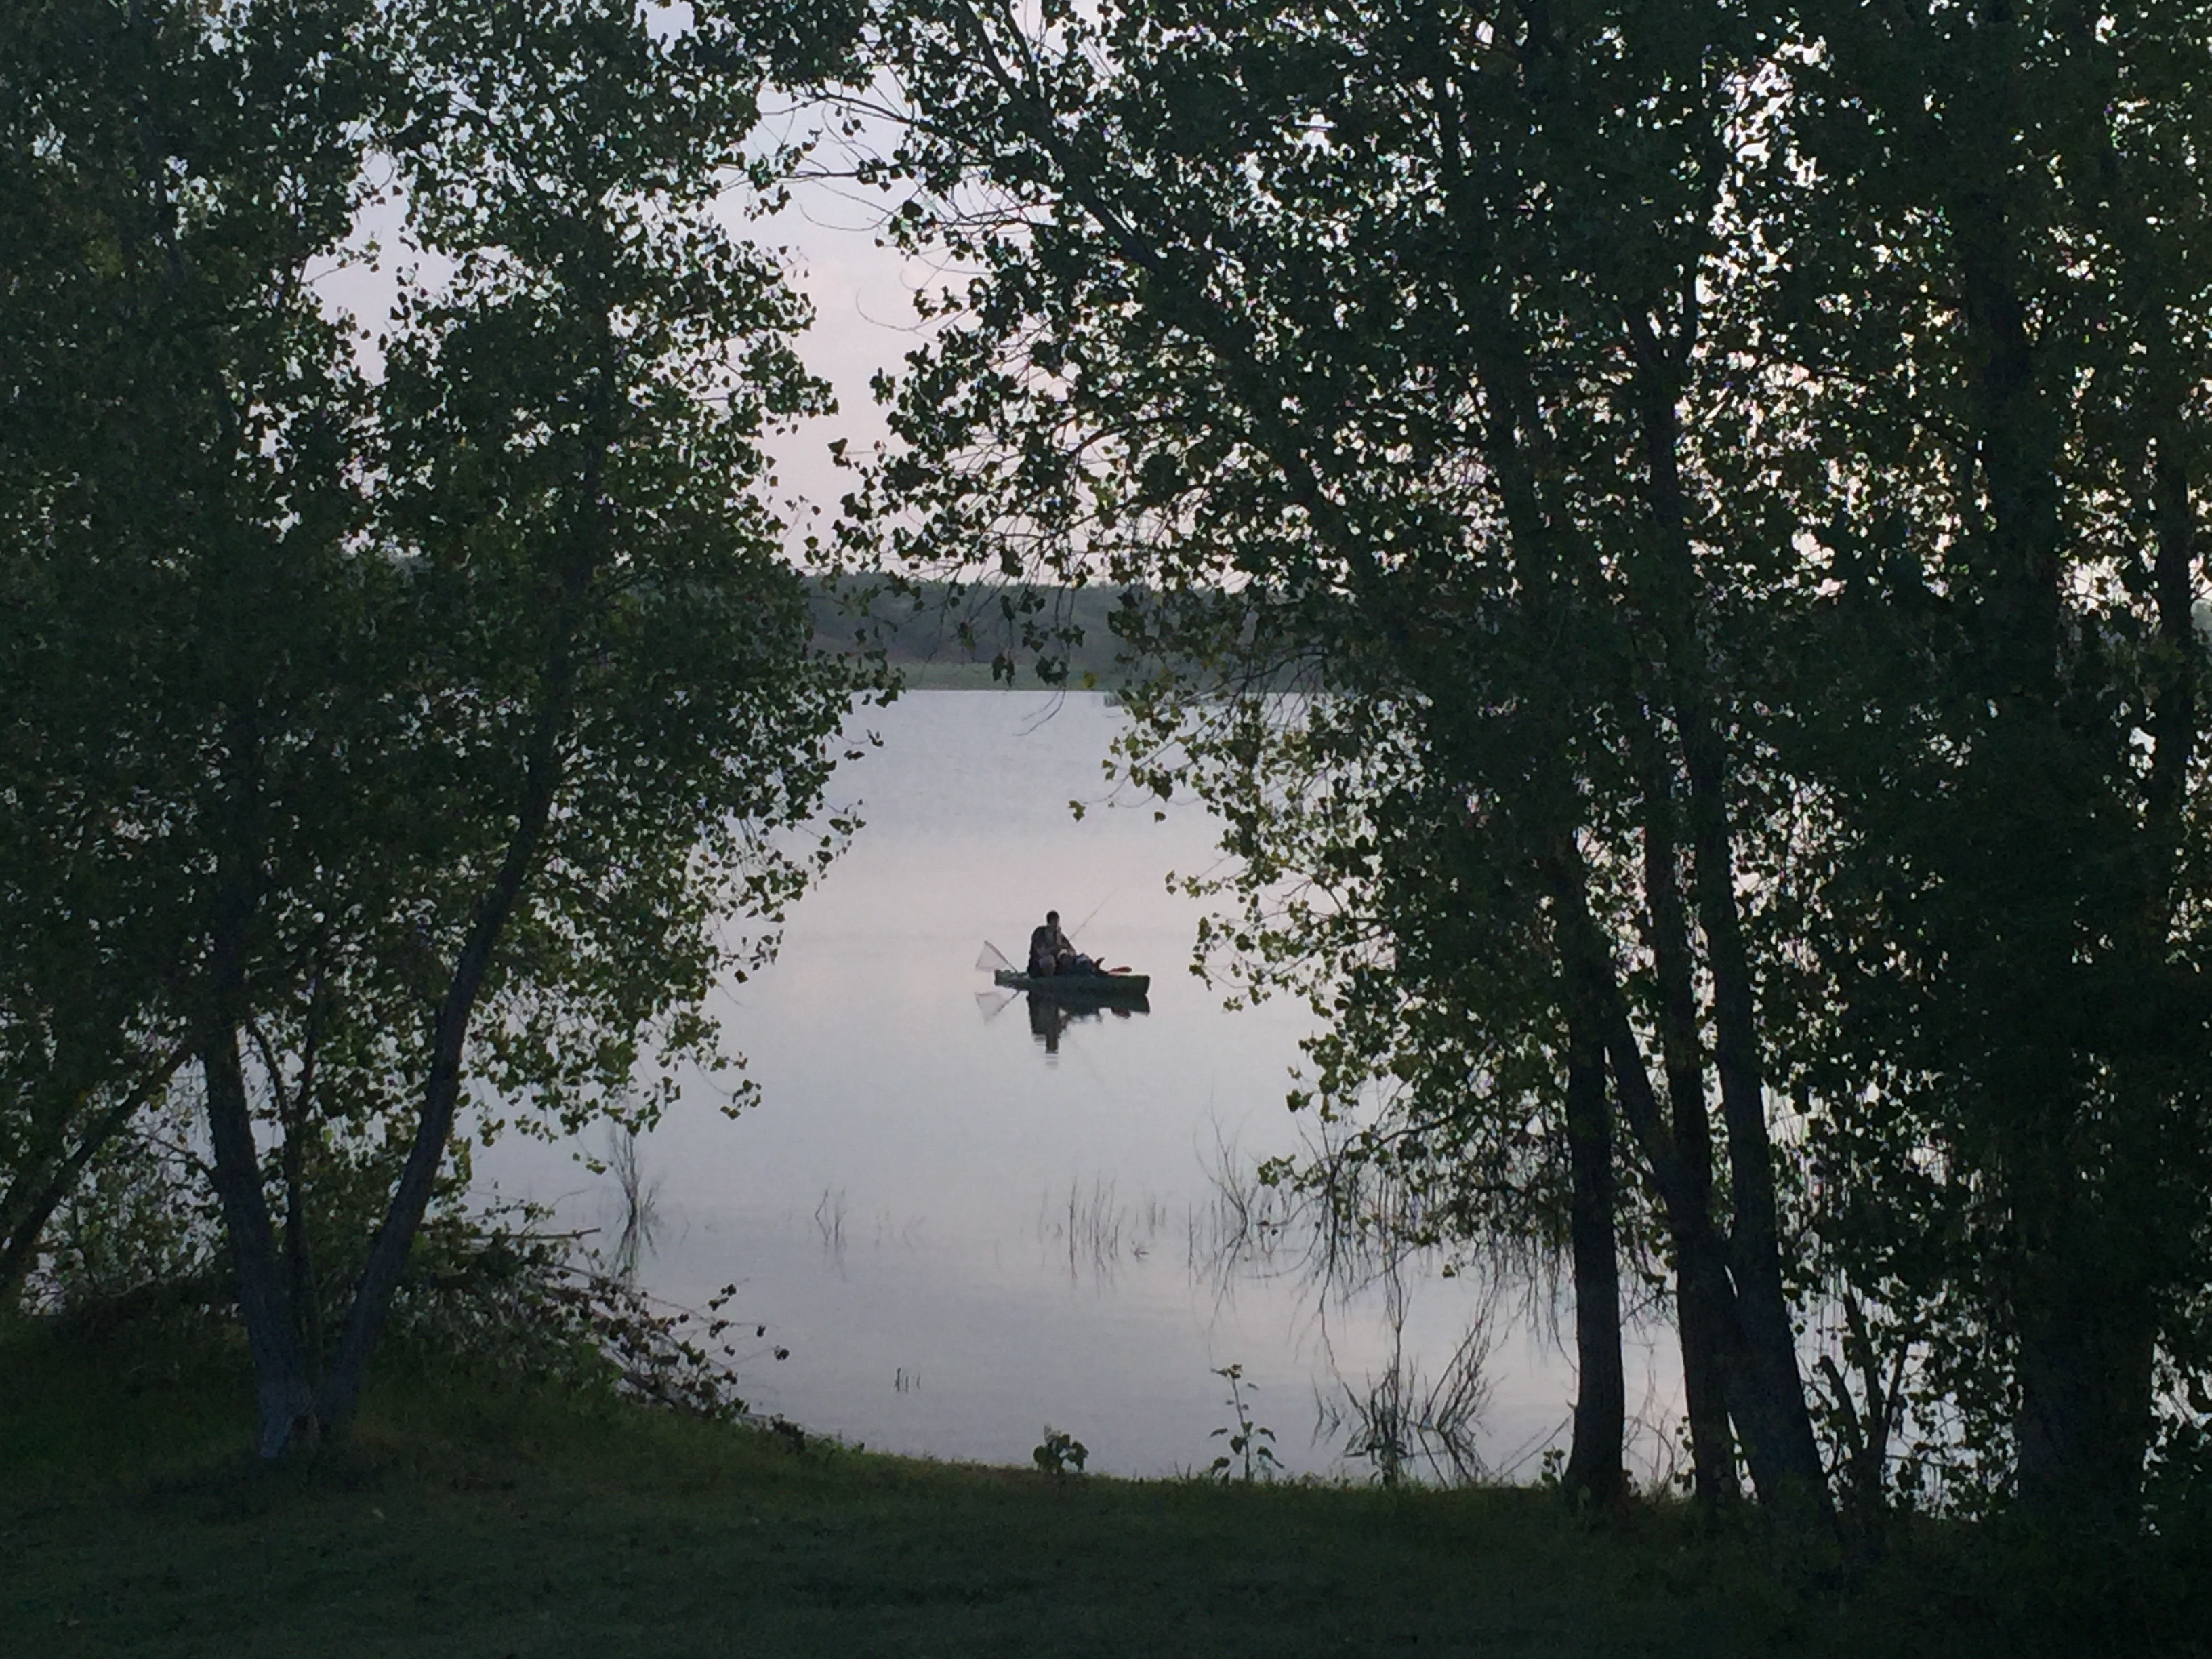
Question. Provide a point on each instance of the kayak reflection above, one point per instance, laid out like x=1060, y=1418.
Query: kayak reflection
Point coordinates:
x=1051, y=1013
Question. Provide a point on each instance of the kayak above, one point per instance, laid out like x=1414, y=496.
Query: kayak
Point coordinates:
x=1075, y=985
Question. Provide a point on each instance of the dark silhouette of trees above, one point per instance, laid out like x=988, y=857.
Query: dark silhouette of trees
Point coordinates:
x=1668, y=534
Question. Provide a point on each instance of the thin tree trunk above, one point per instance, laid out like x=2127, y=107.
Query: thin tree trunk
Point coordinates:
x=1701, y=1249
x=1768, y=1383
x=1594, y=1472
x=283, y=1398
x=293, y=1107
x=411, y=1199
x=1703, y=1321
x=340, y=1394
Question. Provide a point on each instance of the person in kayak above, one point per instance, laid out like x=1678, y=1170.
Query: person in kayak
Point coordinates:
x=1050, y=953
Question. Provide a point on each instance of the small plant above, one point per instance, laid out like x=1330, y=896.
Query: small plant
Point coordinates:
x=1251, y=1454
x=1061, y=1454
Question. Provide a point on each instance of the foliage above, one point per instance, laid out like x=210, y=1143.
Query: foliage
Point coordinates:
x=1060, y=1453
x=138, y=1226
x=420, y=710
x=169, y=378
x=494, y=1297
x=1670, y=536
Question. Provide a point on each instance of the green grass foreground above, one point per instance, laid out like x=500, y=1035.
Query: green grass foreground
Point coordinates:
x=469, y=1517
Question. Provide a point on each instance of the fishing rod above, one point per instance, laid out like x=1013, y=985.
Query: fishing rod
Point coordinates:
x=1087, y=920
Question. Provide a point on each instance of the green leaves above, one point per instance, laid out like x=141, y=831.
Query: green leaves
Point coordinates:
x=432, y=725
x=1738, y=474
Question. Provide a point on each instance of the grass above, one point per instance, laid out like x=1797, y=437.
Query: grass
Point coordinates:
x=468, y=1517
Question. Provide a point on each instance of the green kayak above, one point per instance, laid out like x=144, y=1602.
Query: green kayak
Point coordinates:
x=1099, y=986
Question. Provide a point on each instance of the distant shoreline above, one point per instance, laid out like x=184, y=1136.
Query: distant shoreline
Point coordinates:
x=918, y=636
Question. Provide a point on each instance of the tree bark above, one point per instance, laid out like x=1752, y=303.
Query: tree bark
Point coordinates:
x=340, y=1396
x=1594, y=1473
x=283, y=1399
x=2086, y=1328
x=2085, y=1400
x=1768, y=1382
x=340, y=1392
x=1765, y=1417
x=1702, y=1320
x=293, y=1106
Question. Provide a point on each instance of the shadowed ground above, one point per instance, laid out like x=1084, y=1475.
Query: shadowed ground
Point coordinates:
x=469, y=1516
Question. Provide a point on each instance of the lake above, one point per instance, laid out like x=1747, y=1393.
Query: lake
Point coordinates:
x=966, y=1218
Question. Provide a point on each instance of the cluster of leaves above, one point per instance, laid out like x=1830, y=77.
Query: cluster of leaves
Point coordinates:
x=1060, y=1453
x=500, y=1296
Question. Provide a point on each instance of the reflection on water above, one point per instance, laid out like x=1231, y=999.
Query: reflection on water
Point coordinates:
x=1049, y=1016
x=1077, y=1240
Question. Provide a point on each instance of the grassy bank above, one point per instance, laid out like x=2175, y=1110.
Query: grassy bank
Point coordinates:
x=469, y=1516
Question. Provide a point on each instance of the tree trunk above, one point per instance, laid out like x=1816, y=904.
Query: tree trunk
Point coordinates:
x=1766, y=1417
x=282, y=1397
x=2088, y=1329
x=299, y=1249
x=340, y=1392
x=2085, y=1401
x=1594, y=1474
x=2087, y=1326
x=1767, y=1383
x=1703, y=1321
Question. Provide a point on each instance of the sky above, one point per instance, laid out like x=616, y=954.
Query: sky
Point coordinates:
x=864, y=318
x=864, y=321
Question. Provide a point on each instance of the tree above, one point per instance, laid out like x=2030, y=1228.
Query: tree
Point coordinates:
x=1379, y=323
x=165, y=188
x=492, y=686
x=1994, y=313
x=1763, y=562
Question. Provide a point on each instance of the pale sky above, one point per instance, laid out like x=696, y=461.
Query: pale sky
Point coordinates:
x=864, y=321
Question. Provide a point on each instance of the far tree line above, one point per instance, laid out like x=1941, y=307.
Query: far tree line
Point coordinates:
x=1669, y=533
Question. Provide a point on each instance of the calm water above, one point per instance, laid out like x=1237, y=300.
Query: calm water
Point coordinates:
x=965, y=1223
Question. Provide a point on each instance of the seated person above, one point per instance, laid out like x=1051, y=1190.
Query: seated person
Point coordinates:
x=1047, y=944
x=1050, y=953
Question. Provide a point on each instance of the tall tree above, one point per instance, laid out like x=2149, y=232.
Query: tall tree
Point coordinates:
x=1382, y=321
x=173, y=392
x=1994, y=308
x=477, y=688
